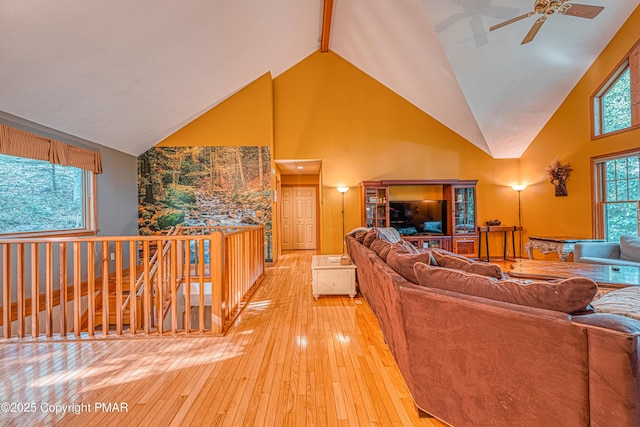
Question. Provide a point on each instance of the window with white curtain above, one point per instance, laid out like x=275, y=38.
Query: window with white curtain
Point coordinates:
x=44, y=198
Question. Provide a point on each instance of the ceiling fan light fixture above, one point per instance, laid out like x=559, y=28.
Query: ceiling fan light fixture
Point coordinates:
x=548, y=7
x=564, y=8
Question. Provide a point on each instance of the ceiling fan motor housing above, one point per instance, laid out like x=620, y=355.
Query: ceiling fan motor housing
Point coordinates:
x=548, y=7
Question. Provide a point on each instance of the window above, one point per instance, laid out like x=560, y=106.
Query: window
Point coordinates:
x=40, y=197
x=617, y=179
x=616, y=104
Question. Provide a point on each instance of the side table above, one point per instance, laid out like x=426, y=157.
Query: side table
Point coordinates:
x=330, y=277
x=562, y=245
x=503, y=229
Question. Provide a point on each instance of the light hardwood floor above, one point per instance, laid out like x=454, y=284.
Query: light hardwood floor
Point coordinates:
x=288, y=360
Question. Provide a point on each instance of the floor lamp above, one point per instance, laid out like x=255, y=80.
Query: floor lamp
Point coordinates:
x=519, y=189
x=342, y=190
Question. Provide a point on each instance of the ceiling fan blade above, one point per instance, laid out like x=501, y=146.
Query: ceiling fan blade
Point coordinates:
x=534, y=30
x=583, y=10
x=511, y=21
x=479, y=32
x=442, y=25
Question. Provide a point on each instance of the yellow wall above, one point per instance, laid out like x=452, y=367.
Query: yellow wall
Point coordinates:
x=567, y=136
x=325, y=108
x=244, y=119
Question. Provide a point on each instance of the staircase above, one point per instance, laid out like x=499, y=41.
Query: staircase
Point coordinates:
x=126, y=316
x=157, y=309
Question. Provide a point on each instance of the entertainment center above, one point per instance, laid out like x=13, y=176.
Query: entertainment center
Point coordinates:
x=427, y=213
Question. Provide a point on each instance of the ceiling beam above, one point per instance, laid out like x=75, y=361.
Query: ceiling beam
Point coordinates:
x=326, y=25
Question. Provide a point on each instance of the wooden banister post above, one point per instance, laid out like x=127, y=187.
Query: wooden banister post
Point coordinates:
x=6, y=290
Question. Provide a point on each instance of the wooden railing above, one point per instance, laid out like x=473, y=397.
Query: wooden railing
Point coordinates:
x=119, y=286
x=241, y=254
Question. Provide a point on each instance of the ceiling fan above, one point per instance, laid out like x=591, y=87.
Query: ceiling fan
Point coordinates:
x=549, y=7
x=474, y=10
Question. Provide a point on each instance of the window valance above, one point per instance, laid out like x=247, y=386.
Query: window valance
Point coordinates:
x=16, y=142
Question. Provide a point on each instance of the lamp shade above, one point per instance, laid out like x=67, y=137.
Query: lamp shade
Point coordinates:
x=342, y=189
x=519, y=187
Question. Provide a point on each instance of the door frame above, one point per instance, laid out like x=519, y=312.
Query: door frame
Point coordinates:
x=317, y=188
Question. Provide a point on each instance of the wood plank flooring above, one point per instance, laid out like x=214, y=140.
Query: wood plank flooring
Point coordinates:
x=288, y=360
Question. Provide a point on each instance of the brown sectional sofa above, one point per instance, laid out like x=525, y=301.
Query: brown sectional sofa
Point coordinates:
x=476, y=361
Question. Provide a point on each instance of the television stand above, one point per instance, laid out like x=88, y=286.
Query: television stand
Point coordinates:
x=382, y=202
x=429, y=241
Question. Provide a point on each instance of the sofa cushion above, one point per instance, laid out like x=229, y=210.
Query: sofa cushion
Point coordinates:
x=630, y=248
x=402, y=261
x=571, y=295
x=625, y=302
x=449, y=253
x=408, y=246
x=460, y=263
x=359, y=235
x=381, y=247
x=370, y=237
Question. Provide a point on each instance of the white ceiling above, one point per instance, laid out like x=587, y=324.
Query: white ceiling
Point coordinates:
x=128, y=73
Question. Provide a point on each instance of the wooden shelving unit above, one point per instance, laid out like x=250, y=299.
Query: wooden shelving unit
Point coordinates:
x=461, y=198
x=461, y=234
x=376, y=206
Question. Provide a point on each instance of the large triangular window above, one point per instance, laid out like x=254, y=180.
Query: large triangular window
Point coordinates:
x=616, y=104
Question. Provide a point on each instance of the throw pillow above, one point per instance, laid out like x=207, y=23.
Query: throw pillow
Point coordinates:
x=459, y=263
x=571, y=295
x=625, y=302
x=630, y=248
x=402, y=261
x=381, y=247
x=401, y=247
x=449, y=253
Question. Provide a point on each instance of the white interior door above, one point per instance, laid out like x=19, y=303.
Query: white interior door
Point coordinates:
x=305, y=218
x=299, y=218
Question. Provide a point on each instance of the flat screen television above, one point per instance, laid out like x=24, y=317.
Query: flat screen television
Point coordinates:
x=412, y=218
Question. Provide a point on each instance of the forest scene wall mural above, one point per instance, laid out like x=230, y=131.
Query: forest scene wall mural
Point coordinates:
x=204, y=186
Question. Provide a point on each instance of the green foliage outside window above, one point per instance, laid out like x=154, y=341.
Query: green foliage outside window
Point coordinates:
x=39, y=196
x=616, y=104
x=622, y=193
x=622, y=220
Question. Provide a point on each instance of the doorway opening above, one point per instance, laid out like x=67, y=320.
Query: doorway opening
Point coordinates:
x=298, y=204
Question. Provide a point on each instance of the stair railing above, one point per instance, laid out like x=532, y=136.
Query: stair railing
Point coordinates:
x=48, y=284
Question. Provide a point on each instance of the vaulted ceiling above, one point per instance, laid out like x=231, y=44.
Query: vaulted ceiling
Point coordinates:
x=128, y=73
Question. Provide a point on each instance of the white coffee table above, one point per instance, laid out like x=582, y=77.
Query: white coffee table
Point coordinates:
x=330, y=277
